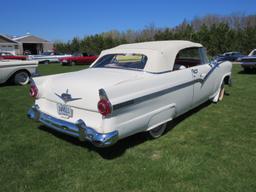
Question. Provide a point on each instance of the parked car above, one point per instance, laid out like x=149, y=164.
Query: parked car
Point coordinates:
x=78, y=58
x=17, y=70
x=248, y=62
x=8, y=55
x=129, y=89
x=48, y=57
x=230, y=56
x=26, y=52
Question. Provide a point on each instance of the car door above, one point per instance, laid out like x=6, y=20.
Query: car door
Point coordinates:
x=204, y=79
x=195, y=60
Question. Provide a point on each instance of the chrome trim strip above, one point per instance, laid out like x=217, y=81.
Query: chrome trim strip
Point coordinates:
x=18, y=65
x=76, y=107
x=215, y=65
x=153, y=95
x=162, y=72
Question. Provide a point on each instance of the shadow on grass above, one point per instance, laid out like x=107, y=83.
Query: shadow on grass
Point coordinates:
x=121, y=146
x=9, y=84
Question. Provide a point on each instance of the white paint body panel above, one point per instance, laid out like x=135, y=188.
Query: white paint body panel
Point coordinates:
x=141, y=100
x=9, y=67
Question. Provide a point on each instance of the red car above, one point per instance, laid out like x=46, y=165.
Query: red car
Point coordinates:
x=78, y=59
x=7, y=55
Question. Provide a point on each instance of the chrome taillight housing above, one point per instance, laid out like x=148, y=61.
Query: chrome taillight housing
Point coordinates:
x=33, y=92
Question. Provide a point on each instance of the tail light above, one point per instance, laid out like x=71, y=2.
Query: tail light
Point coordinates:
x=104, y=105
x=33, y=91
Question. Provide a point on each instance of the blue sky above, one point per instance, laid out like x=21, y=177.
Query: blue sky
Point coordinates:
x=62, y=20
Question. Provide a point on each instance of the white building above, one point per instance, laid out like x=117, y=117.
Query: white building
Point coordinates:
x=27, y=43
x=9, y=45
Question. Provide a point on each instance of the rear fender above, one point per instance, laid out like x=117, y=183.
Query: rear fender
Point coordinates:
x=163, y=115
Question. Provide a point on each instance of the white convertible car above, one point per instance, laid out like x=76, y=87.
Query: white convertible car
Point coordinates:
x=129, y=89
x=17, y=70
x=48, y=57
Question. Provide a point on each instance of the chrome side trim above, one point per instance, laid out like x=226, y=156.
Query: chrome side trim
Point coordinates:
x=78, y=129
x=154, y=95
x=19, y=65
x=215, y=65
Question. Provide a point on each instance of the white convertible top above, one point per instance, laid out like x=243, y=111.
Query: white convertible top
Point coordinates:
x=161, y=54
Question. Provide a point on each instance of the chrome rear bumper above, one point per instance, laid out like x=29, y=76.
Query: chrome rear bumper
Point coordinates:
x=78, y=129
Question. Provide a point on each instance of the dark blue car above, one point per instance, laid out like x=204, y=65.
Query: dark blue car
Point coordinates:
x=229, y=56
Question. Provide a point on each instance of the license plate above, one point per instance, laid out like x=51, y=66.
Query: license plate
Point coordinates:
x=64, y=110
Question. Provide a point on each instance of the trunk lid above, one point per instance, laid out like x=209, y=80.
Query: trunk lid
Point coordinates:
x=82, y=88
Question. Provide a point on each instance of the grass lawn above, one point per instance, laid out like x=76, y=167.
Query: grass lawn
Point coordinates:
x=212, y=148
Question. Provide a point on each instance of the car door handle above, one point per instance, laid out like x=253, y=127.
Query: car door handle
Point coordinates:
x=194, y=71
x=203, y=75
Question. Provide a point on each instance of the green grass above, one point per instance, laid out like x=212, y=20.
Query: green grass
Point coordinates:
x=209, y=149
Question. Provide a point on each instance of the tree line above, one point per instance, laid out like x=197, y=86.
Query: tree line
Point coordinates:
x=219, y=34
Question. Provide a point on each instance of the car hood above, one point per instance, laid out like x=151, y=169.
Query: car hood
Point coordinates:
x=83, y=85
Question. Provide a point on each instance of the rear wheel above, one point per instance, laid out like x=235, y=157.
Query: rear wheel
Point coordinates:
x=21, y=78
x=72, y=63
x=157, y=131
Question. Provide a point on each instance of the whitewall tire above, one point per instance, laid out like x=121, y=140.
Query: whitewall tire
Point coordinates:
x=21, y=78
x=157, y=131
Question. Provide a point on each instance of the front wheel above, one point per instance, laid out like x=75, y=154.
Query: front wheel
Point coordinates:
x=21, y=78
x=157, y=131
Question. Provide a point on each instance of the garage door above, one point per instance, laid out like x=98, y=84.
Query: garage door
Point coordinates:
x=9, y=48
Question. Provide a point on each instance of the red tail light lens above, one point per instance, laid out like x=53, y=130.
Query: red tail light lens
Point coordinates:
x=104, y=107
x=33, y=91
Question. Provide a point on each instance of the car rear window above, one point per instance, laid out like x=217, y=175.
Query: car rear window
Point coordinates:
x=122, y=61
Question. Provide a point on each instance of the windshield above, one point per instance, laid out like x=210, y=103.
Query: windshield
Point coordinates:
x=122, y=61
